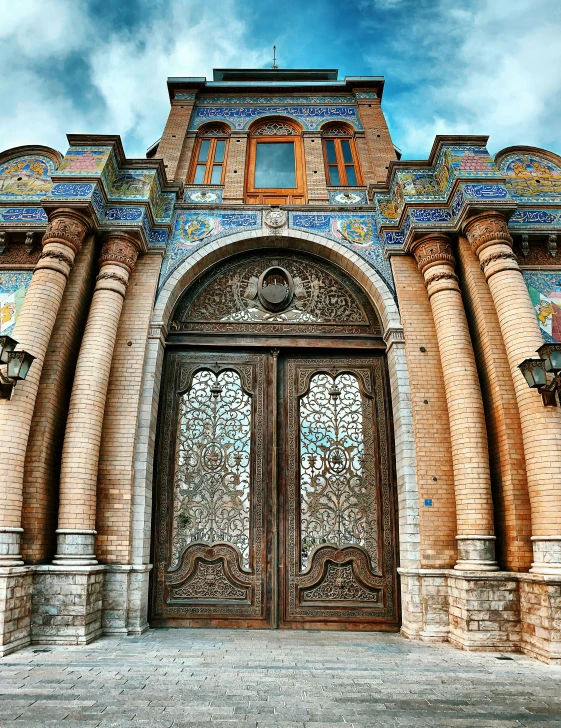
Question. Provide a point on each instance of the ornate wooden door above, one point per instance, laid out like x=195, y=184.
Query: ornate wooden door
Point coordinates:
x=274, y=499
x=211, y=559
x=338, y=553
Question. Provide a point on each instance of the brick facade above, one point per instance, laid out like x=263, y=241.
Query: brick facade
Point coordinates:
x=476, y=455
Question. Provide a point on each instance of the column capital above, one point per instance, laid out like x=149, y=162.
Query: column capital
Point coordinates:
x=120, y=249
x=431, y=250
x=485, y=229
x=68, y=227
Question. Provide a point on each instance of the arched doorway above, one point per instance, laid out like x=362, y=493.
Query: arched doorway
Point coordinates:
x=275, y=501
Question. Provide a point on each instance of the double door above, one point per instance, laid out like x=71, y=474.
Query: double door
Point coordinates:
x=275, y=501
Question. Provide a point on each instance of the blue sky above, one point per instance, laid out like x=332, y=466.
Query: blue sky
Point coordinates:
x=451, y=66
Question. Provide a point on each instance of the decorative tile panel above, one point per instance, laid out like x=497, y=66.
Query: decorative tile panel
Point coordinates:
x=273, y=100
x=532, y=178
x=366, y=94
x=356, y=232
x=26, y=178
x=537, y=218
x=240, y=117
x=70, y=189
x=13, y=287
x=84, y=161
x=348, y=197
x=203, y=196
x=23, y=215
x=544, y=288
x=191, y=229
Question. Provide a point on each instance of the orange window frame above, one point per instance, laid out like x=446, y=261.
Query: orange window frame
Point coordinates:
x=341, y=164
x=209, y=163
x=292, y=194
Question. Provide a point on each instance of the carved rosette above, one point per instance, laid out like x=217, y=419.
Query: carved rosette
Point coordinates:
x=491, y=241
x=67, y=227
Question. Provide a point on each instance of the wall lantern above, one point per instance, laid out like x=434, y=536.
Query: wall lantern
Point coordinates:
x=536, y=372
x=17, y=366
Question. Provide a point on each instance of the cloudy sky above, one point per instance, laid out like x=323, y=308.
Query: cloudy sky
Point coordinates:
x=451, y=66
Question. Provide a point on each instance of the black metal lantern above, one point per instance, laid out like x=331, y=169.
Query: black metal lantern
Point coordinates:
x=18, y=364
x=7, y=344
x=551, y=355
x=534, y=372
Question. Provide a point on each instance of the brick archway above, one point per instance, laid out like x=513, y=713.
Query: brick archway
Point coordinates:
x=382, y=300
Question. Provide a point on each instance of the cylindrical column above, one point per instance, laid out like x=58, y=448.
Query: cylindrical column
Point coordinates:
x=62, y=241
x=470, y=456
x=80, y=454
x=489, y=237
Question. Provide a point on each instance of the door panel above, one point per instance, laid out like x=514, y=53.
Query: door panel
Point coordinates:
x=211, y=557
x=338, y=551
x=231, y=551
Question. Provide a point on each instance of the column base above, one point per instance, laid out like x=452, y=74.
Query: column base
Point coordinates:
x=547, y=555
x=67, y=604
x=10, y=547
x=484, y=611
x=476, y=553
x=15, y=608
x=75, y=547
x=540, y=610
x=125, y=599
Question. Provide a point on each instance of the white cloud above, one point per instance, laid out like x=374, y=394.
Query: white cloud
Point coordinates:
x=492, y=67
x=127, y=71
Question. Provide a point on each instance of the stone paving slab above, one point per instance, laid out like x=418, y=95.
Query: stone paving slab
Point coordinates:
x=268, y=679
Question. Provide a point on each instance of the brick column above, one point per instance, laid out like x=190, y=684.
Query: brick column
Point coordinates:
x=489, y=237
x=62, y=240
x=470, y=457
x=80, y=454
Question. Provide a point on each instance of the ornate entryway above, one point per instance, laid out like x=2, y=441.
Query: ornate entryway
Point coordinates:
x=275, y=501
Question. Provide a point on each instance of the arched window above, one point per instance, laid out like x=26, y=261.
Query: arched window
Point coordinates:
x=210, y=155
x=341, y=164
x=275, y=169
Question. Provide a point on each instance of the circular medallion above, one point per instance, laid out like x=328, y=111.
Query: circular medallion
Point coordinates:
x=275, y=218
x=337, y=459
x=275, y=289
x=212, y=456
x=357, y=231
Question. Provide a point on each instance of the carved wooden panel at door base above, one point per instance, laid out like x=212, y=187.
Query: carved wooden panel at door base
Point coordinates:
x=339, y=546
x=210, y=526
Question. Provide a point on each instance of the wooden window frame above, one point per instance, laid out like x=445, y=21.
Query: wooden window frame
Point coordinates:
x=210, y=160
x=341, y=164
x=255, y=194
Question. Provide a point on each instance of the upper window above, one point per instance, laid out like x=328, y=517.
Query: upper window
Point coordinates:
x=275, y=164
x=210, y=155
x=340, y=156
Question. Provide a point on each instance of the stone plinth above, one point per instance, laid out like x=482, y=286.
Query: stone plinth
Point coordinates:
x=15, y=608
x=66, y=604
x=540, y=612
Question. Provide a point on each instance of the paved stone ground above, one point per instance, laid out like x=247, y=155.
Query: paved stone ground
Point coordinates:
x=254, y=679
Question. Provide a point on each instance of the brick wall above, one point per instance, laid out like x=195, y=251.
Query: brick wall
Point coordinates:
x=234, y=179
x=42, y=462
x=506, y=453
x=315, y=169
x=430, y=420
x=116, y=462
x=378, y=141
x=173, y=138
